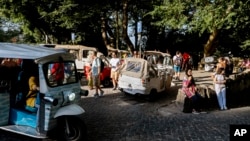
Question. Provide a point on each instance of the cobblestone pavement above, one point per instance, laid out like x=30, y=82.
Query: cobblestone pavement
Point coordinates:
x=116, y=117
x=119, y=117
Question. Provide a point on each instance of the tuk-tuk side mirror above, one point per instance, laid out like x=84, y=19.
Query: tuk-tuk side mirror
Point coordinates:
x=84, y=92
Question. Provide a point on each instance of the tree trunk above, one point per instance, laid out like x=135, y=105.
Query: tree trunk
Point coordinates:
x=210, y=46
x=117, y=27
x=104, y=32
x=125, y=26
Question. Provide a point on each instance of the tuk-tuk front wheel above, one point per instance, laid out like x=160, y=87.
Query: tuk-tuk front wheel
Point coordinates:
x=71, y=129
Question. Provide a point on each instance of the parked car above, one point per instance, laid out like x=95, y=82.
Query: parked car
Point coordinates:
x=138, y=76
x=56, y=111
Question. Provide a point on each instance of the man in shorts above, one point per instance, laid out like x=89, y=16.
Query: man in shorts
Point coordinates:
x=96, y=70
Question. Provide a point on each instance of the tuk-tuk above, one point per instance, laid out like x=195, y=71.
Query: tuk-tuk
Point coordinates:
x=138, y=76
x=161, y=61
x=56, y=111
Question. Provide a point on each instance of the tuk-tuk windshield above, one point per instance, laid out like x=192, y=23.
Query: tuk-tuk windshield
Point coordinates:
x=60, y=73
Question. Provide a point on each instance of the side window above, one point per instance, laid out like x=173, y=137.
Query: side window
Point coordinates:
x=85, y=53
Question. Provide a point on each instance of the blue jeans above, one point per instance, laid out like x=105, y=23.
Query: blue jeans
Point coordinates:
x=221, y=97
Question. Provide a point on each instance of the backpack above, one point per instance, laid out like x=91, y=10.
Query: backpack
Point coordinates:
x=178, y=61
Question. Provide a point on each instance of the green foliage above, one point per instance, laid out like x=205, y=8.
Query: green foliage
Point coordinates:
x=205, y=16
x=246, y=45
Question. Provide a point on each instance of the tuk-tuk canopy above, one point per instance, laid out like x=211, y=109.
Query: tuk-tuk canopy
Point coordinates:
x=11, y=50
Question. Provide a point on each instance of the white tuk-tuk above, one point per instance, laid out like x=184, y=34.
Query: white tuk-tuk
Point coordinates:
x=56, y=109
x=138, y=76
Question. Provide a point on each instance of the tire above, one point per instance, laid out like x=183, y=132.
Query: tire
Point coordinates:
x=77, y=129
x=106, y=82
x=152, y=95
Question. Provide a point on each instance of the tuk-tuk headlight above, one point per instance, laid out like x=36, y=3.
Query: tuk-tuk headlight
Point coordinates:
x=71, y=96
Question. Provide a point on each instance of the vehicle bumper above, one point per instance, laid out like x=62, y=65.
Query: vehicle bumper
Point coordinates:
x=134, y=89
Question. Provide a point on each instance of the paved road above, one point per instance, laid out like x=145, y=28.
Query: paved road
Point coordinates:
x=126, y=118
x=116, y=117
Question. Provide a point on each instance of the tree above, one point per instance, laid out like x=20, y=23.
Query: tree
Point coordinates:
x=202, y=16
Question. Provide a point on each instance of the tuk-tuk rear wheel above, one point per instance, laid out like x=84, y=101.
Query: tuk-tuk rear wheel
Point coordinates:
x=77, y=129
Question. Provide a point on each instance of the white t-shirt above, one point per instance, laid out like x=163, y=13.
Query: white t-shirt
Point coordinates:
x=114, y=62
x=218, y=87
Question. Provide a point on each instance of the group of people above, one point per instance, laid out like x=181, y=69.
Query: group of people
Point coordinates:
x=219, y=81
x=245, y=64
x=181, y=62
x=93, y=70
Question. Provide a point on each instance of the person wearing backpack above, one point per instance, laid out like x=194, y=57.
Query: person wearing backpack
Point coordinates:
x=96, y=70
x=177, y=59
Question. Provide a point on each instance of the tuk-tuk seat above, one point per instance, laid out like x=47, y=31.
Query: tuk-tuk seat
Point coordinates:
x=22, y=117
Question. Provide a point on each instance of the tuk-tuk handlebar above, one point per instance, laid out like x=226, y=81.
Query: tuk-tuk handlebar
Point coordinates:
x=51, y=100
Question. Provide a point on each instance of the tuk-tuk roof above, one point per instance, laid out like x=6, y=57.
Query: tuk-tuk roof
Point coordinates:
x=117, y=50
x=149, y=52
x=76, y=47
x=24, y=51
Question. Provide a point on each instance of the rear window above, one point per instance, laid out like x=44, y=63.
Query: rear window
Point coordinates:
x=133, y=66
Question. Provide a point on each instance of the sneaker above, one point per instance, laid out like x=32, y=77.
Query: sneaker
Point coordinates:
x=96, y=95
x=225, y=108
x=195, y=112
x=114, y=88
x=203, y=112
x=101, y=93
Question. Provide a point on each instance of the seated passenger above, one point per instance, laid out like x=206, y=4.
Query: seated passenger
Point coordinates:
x=32, y=94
